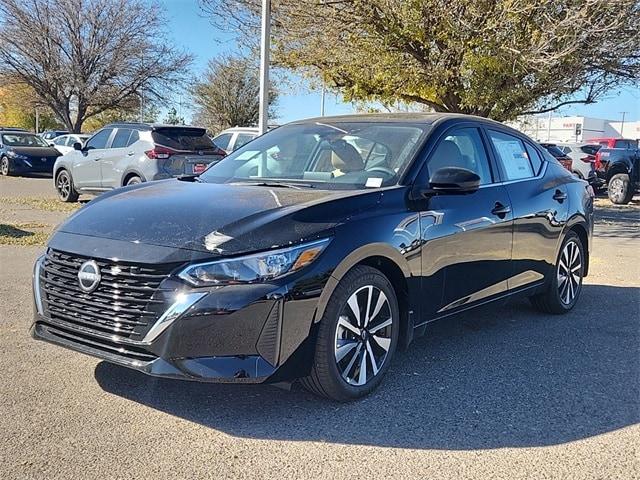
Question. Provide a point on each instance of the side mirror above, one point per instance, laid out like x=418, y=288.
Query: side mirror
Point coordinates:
x=453, y=180
x=77, y=146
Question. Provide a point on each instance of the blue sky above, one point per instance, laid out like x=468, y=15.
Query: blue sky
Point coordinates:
x=196, y=35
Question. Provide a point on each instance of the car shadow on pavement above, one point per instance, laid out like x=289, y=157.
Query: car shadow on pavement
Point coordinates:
x=509, y=377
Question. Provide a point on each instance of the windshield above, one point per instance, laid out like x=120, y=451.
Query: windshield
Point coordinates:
x=23, y=140
x=343, y=155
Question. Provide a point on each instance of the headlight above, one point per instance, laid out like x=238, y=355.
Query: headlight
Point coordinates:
x=256, y=268
x=19, y=156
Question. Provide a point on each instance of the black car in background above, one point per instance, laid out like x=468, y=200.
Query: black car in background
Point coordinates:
x=315, y=251
x=24, y=153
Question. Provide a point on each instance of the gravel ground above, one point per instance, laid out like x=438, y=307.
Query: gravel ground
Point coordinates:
x=506, y=394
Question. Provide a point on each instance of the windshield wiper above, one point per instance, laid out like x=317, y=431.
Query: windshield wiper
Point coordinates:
x=275, y=183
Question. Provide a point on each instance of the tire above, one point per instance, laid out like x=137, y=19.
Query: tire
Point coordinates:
x=64, y=187
x=578, y=174
x=566, y=284
x=5, y=167
x=134, y=180
x=346, y=341
x=619, y=189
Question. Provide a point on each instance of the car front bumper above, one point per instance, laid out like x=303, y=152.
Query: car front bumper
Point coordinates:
x=240, y=333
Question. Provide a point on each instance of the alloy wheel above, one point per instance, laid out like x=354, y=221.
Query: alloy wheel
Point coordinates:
x=363, y=335
x=569, y=272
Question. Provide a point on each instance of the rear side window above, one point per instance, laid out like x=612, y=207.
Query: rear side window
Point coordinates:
x=124, y=137
x=99, y=140
x=625, y=144
x=242, y=139
x=512, y=155
x=183, y=139
x=590, y=149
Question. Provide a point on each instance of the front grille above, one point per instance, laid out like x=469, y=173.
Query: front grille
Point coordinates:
x=125, y=304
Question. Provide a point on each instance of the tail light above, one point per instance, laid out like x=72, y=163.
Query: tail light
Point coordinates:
x=160, y=153
x=588, y=159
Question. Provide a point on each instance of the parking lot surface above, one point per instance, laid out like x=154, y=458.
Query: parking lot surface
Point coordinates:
x=507, y=393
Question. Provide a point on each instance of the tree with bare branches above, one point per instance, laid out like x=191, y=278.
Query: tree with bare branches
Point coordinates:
x=228, y=95
x=85, y=57
x=494, y=58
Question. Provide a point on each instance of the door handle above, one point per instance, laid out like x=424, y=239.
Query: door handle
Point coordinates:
x=500, y=210
x=560, y=196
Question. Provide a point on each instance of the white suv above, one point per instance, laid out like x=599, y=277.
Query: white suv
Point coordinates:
x=233, y=138
x=127, y=153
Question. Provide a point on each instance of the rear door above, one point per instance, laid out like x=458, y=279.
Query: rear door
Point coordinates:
x=540, y=208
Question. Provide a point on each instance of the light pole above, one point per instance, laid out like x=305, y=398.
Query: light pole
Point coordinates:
x=622, y=124
x=265, y=43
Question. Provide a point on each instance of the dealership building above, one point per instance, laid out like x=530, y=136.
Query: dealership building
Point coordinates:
x=575, y=128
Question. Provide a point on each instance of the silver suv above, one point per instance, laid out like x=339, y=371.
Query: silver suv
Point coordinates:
x=128, y=153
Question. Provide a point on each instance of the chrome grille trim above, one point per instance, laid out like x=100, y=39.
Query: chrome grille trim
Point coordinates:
x=125, y=305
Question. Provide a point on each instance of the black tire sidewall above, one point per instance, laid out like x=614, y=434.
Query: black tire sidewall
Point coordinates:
x=355, y=279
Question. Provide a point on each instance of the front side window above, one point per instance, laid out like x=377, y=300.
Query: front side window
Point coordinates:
x=340, y=155
x=100, y=139
x=462, y=147
x=512, y=155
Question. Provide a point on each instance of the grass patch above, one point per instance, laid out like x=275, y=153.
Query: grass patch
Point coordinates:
x=25, y=233
x=46, y=204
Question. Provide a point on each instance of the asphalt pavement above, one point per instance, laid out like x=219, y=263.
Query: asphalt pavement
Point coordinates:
x=508, y=393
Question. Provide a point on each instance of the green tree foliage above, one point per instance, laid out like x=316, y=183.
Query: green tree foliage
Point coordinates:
x=494, y=58
x=85, y=57
x=229, y=94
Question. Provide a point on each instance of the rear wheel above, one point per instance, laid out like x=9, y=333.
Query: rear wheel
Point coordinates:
x=5, y=167
x=619, y=190
x=134, y=180
x=566, y=284
x=64, y=186
x=357, y=337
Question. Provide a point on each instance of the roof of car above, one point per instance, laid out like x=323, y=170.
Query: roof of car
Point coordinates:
x=398, y=117
x=149, y=126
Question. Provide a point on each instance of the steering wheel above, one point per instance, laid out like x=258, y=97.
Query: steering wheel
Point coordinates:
x=383, y=170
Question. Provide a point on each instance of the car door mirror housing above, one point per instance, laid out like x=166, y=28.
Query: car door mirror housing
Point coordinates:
x=77, y=146
x=452, y=180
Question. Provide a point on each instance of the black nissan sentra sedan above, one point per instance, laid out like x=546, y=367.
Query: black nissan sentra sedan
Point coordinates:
x=317, y=250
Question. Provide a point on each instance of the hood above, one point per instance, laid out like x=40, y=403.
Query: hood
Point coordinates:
x=36, y=151
x=211, y=218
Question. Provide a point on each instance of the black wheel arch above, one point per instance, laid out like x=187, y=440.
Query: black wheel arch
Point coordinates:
x=392, y=265
x=128, y=174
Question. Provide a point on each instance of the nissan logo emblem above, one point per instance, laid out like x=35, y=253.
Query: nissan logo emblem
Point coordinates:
x=89, y=276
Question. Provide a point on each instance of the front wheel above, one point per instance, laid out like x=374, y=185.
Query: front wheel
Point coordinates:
x=5, y=168
x=619, y=190
x=357, y=337
x=64, y=186
x=566, y=284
